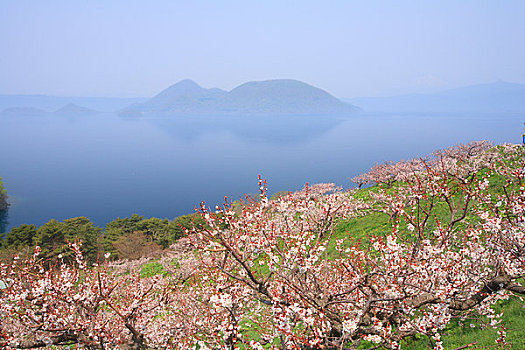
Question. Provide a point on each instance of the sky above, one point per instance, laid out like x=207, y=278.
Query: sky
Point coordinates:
x=127, y=48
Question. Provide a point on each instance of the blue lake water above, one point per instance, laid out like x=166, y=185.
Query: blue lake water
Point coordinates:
x=105, y=166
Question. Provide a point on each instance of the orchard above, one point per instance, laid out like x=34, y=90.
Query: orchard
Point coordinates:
x=281, y=274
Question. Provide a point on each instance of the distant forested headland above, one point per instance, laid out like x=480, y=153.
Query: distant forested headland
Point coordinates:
x=3, y=207
x=3, y=196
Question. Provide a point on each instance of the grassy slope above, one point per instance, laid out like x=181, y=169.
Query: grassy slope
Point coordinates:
x=456, y=335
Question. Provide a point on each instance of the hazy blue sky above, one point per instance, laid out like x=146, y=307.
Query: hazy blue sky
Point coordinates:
x=349, y=48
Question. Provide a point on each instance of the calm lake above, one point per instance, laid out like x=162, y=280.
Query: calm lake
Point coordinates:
x=104, y=167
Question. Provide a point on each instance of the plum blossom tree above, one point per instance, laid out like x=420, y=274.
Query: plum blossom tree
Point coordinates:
x=275, y=275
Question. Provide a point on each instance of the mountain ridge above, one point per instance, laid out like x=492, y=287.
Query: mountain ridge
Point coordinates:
x=50, y=103
x=500, y=96
x=277, y=96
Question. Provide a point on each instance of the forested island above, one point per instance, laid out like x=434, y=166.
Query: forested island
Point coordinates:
x=425, y=253
x=268, y=97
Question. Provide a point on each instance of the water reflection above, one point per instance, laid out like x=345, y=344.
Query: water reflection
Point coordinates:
x=105, y=166
x=274, y=129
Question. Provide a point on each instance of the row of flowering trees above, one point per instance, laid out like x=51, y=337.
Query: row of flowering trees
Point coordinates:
x=277, y=275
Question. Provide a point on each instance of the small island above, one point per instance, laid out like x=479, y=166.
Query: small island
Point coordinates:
x=72, y=109
x=22, y=111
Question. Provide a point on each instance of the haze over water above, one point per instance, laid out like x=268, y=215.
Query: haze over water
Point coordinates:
x=105, y=166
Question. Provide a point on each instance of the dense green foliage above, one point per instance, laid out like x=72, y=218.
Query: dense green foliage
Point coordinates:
x=127, y=238
x=20, y=236
x=52, y=236
x=161, y=232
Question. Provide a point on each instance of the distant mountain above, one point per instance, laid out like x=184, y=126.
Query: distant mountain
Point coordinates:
x=52, y=103
x=283, y=97
x=22, y=111
x=499, y=97
x=186, y=96
x=72, y=109
x=275, y=97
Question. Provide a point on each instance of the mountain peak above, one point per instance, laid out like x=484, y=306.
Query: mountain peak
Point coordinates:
x=182, y=90
x=186, y=83
x=277, y=82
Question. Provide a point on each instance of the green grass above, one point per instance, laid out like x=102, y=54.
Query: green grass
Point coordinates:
x=457, y=335
x=360, y=228
x=152, y=269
